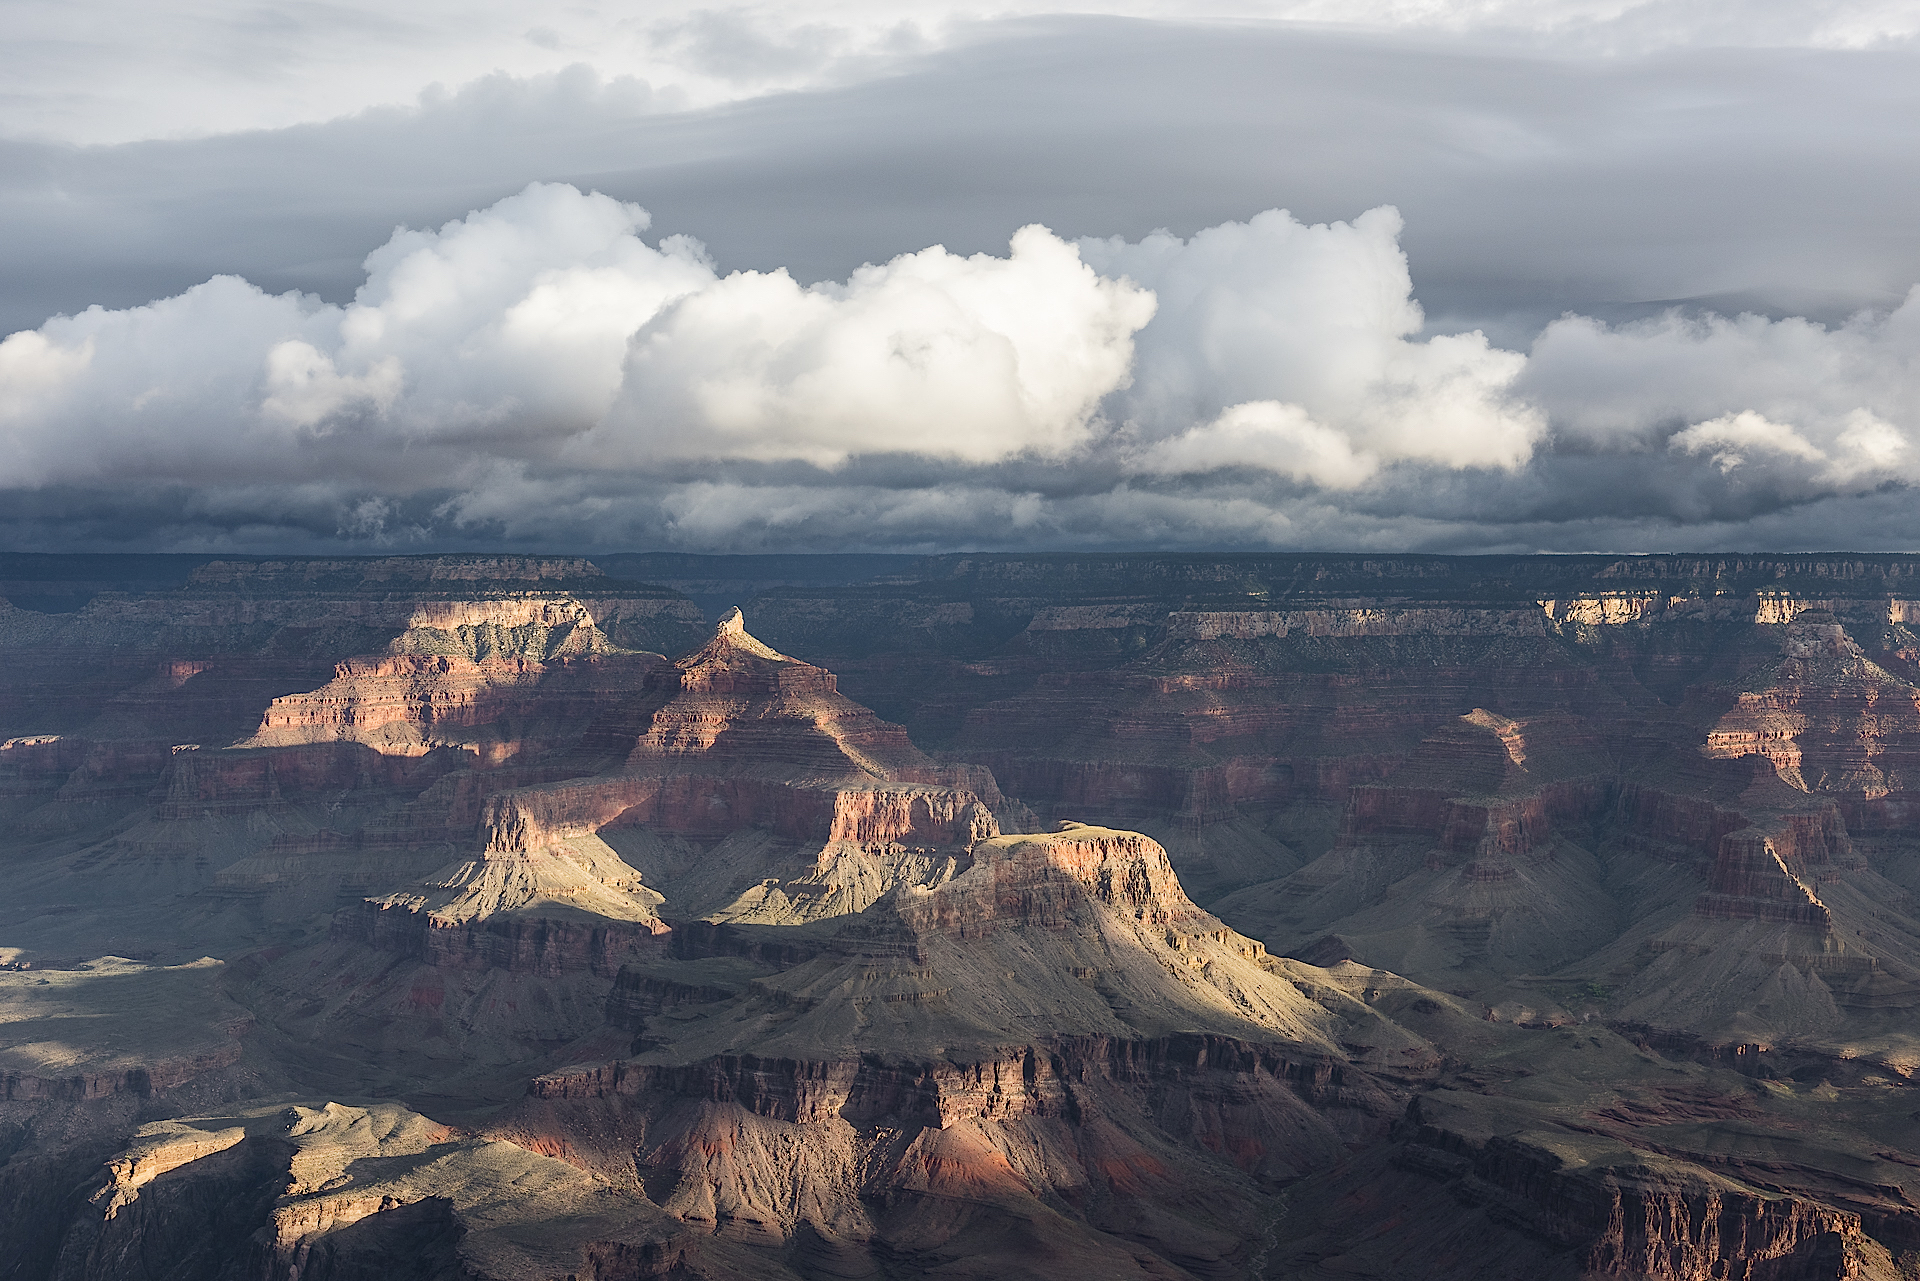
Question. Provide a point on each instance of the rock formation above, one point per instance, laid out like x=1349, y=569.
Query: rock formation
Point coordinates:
x=1063, y=916
x=732, y=736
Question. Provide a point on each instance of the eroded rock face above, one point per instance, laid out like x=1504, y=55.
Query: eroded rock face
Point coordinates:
x=1828, y=718
x=408, y=705
x=1022, y=881
x=733, y=735
x=1599, y=874
x=1647, y=1221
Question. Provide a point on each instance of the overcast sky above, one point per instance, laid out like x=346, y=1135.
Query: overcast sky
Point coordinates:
x=1428, y=275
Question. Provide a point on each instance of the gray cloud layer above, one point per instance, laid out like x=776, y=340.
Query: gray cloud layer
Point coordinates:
x=551, y=371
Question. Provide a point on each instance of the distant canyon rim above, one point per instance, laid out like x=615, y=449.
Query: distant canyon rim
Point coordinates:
x=477, y=917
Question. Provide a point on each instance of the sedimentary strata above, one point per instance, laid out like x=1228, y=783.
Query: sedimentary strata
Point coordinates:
x=1279, y=916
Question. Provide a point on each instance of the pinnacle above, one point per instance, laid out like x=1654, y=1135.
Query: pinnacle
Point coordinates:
x=731, y=633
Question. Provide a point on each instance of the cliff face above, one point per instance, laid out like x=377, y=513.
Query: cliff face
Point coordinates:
x=1827, y=718
x=1022, y=881
x=1058, y=1082
x=1522, y=918
x=733, y=736
x=734, y=705
x=1647, y=1220
x=1170, y=1136
x=496, y=708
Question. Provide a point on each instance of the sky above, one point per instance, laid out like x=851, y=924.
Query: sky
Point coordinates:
x=1430, y=275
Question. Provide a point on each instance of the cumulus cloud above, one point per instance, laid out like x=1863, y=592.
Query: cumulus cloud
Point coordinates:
x=1731, y=437
x=1263, y=434
x=976, y=359
x=1320, y=320
x=507, y=326
x=1786, y=406
x=537, y=372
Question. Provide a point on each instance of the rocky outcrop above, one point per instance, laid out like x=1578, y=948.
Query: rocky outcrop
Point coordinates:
x=801, y=991
x=735, y=736
x=1769, y=873
x=1647, y=1218
x=1488, y=837
x=735, y=705
x=1828, y=719
x=113, y=1028
x=1158, y=1144
x=495, y=707
x=1064, y=1080
x=318, y=1191
x=1671, y=826
x=713, y=805
x=564, y=907
x=545, y=947
x=200, y=782
x=1021, y=881
x=1150, y=1136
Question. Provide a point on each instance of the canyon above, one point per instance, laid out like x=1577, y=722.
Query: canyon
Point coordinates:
x=1174, y=916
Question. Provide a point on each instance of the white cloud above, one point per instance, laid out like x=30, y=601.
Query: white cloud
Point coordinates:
x=1730, y=438
x=544, y=328
x=538, y=371
x=976, y=359
x=1319, y=318
x=1264, y=434
x=1865, y=451
x=1825, y=409
x=507, y=326
x=305, y=389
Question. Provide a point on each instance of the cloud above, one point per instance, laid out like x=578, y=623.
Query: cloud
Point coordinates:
x=305, y=389
x=1786, y=407
x=976, y=359
x=117, y=71
x=537, y=373
x=1865, y=450
x=1263, y=434
x=543, y=328
x=496, y=333
x=1320, y=318
x=1533, y=182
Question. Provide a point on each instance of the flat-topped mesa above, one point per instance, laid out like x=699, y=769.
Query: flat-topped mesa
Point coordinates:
x=495, y=706
x=1081, y=932
x=568, y=908
x=1051, y=879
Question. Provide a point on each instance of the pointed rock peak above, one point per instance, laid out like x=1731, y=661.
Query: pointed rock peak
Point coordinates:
x=732, y=632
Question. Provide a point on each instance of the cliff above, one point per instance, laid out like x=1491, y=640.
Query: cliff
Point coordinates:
x=1282, y=915
x=354, y=605
x=732, y=736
